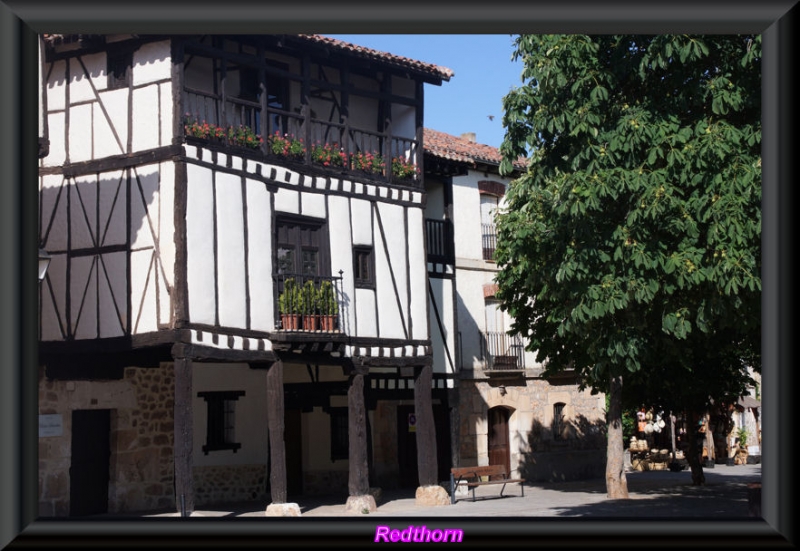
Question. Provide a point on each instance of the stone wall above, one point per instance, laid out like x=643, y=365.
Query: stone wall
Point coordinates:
x=229, y=483
x=141, y=454
x=535, y=453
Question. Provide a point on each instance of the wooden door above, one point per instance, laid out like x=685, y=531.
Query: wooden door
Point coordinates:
x=499, y=452
x=89, y=466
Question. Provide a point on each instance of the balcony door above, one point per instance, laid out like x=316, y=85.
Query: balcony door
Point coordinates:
x=301, y=249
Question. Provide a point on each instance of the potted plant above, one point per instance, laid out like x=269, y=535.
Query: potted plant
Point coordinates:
x=309, y=298
x=328, y=155
x=404, y=170
x=289, y=305
x=286, y=146
x=371, y=163
x=328, y=306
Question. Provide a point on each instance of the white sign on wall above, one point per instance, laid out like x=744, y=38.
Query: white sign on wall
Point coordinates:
x=51, y=425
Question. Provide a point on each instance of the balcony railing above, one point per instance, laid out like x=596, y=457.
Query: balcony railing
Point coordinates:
x=503, y=351
x=307, y=303
x=489, y=240
x=395, y=151
x=439, y=236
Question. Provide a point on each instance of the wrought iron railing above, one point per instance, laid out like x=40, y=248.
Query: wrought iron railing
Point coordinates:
x=489, y=240
x=209, y=107
x=503, y=351
x=439, y=236
x=308, y=303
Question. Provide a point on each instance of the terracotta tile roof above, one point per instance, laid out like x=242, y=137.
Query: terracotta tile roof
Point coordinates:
x=441, y=72
x=452, y=148
x=430, y=69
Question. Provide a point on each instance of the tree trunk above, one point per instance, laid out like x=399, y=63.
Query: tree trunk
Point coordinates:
x=616, y=483
x=695, y=458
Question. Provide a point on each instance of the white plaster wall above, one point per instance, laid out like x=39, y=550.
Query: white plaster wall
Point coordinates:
x=287, y=200
x=442, y=294
x=56, y=91
x=113, y=301
x=167, y=113
x=166, y=235
x=230, y=251
x=80, y=87
x=251, y=413
x=145, y=204
x=200, y=245
x=342, y=256
x=418, y=270
x=110, y=123
x=113, y=207
x=361, y=215
x=83, y=320
x=146, y=122
x=313, y=204
x=152, y=62
x=471, y=314
x=56, y=132
x=365, y=323
x=392, y=316
x=259, y=248
x=467, y=217
x=80, y=133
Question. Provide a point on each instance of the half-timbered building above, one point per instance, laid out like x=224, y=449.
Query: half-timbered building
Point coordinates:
x=237, y=302
x=504, y=411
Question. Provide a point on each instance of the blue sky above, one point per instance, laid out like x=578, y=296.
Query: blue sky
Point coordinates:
x=484, y=73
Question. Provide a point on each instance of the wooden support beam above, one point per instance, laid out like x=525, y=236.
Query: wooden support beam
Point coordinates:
x=275, y=423
x=426, y=431
x=358, y=484
x=183, y=428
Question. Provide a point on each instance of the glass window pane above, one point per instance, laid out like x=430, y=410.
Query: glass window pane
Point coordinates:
x=285, y=260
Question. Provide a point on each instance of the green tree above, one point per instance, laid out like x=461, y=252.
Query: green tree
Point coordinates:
x=630, y=248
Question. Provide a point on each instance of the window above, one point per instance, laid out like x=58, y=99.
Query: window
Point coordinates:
x=488, y=234
x=340, y=438
x=118, y=68
x=221, y=420
x=559, y=424
x=300, y=249
x=364, y=267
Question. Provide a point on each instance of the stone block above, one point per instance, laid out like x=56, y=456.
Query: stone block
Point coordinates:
x=432, y=496
x=282, y=510
x=360, y=504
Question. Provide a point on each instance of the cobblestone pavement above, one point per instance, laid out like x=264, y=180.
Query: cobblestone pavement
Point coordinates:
x=653, y=495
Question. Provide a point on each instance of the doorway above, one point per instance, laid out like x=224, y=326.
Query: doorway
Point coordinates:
x=89, y=466
x=499, y=449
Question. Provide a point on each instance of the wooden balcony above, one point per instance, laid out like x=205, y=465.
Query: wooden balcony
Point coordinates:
x=396, y=160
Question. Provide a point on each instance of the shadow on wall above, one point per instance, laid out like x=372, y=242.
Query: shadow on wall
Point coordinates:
x=577, y=452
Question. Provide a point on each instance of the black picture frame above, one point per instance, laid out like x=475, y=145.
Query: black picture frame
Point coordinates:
x=21, y=20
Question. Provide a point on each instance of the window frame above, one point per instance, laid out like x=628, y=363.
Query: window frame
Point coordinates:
x=218, y=422
x=559, y=421
x=367, y=252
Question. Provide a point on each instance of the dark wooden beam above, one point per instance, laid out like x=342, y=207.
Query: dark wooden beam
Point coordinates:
x=358, y=484
x=426, y=431
x=183, y=429
x=275, y=424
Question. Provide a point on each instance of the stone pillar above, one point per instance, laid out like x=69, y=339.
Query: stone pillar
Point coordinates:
x=277, y=448
x=358, y=483
x=183, y=428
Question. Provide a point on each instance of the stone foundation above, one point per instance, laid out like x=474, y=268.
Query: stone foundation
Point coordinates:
x=141, y=454
x=229, y=483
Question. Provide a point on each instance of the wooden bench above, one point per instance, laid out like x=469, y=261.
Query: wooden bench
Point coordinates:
x=472, y=477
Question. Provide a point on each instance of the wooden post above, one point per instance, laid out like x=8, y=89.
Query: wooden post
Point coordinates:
x=426, y=432
x=275, y=423
x=182, y=426
x=358, y=483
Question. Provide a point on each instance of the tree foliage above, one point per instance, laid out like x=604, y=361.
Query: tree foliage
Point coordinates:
x=631, y=245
